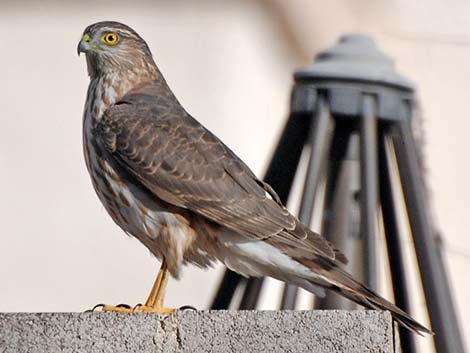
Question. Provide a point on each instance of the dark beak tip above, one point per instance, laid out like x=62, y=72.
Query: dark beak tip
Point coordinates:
x=81, y=48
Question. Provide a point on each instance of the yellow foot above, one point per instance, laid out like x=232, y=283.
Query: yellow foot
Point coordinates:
x=138, y=309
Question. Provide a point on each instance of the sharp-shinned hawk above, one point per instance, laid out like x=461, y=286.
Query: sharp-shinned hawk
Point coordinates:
x=172, y=184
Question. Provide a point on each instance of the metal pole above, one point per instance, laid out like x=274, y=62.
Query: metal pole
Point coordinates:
x=318, y=137
x=342, y=223
x=436, y=286
x=340, y=142
x=227, y=287
x=369, y=187
x=392, y=236
x=251, y=293
x=280, y=175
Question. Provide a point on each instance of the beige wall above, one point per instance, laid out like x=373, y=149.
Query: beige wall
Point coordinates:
x=230, y=63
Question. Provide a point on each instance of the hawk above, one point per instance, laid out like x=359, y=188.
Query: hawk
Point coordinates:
x=168, y=181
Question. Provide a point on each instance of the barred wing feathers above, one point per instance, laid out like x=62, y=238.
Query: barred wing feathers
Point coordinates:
x=184, y=164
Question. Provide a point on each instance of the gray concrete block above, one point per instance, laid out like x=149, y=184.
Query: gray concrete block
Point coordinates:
x=198, y=331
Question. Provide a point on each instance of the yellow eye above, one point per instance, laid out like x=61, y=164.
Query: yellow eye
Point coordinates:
x=111, y=38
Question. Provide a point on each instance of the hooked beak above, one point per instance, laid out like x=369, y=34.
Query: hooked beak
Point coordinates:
x=84, y=44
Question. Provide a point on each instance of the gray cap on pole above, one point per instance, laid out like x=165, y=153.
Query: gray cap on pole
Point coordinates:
x=347, y=71
x=355, y=58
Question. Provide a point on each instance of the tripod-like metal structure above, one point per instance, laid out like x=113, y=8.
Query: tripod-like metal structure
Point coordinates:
x=351, y=106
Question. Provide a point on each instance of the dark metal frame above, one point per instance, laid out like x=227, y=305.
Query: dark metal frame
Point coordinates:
x=352, y=89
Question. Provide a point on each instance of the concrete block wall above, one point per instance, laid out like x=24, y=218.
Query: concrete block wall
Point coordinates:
x=198, y=331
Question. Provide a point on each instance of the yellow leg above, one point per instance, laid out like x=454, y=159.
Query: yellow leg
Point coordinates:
x=160, y=298
x=154, y=303
x=159, y=286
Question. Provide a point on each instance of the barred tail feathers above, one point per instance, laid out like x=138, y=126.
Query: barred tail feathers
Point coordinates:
x=346, y=285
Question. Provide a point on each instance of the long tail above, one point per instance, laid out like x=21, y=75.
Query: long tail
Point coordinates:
x=344, y=284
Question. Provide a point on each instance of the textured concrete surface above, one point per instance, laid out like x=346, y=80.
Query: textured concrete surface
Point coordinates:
x=201, y=331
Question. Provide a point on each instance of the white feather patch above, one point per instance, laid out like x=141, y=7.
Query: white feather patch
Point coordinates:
x=258, y=258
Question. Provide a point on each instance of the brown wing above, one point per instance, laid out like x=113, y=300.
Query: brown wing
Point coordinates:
x=184, y=164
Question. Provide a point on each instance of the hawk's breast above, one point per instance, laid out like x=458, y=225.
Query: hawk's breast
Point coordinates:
x=137, y=211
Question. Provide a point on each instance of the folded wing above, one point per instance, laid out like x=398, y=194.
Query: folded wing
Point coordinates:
x=184, y=164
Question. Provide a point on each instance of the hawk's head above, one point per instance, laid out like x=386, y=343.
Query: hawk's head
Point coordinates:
x=113, y=47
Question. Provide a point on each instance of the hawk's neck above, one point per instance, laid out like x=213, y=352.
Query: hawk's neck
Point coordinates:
x=105, y=90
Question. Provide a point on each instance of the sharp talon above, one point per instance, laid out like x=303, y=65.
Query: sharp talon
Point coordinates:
x=187, y=307
x=125, y=306
x=137, y=306
x=97, y=306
